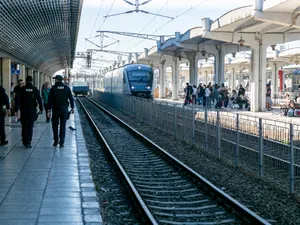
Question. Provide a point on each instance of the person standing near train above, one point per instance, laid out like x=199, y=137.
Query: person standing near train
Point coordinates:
x=59, y=98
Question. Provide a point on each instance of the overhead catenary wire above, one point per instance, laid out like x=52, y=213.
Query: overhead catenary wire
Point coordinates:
x=96, y=20
x=129, y=39
x=181, y=14
x=112, y=5
x=104, y=20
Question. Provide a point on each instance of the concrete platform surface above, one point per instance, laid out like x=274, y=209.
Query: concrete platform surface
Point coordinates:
x=46, y=185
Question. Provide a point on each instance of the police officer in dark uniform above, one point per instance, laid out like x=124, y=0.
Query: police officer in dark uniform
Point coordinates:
x=59, y=98
x=4, y=101
x=29, y=97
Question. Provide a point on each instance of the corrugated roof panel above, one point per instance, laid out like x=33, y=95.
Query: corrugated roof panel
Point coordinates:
x=40, y=33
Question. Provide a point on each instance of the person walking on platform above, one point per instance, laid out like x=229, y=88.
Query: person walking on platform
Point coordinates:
x=59, y=98
x=45, y=95
x=4, y=101
x=16, y=96
x=29, y=97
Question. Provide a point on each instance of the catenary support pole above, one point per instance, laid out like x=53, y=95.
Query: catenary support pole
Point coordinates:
x=291, y=159
x=261, y=147
x=237, y=146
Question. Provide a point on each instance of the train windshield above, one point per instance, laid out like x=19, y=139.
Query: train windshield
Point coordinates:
x=79, y=83
x=140, y=75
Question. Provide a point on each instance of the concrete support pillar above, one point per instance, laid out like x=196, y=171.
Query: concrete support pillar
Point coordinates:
x=22, y=72
x=29, y=72
x=219, y=67
x=6, y=75
x=162, y=77
x=175, y=79
x=233, y=79
x=258, y=91
x=239, y=76
x=274, y=77
x=229, y=81
x=36, y=79
x=41, y=82
x=283, y=82
x=193, y=68
x=276, y=84
x=206, y=77
x=250, y=79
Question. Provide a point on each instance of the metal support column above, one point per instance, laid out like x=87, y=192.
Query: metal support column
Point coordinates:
x=162, y=77
x=218, y=135
x=261, y=148
x=205, y=128
x=291, y=159
x=175, y=120
x=237, y=146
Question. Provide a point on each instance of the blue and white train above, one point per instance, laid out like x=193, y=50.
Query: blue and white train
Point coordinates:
x=131, y=79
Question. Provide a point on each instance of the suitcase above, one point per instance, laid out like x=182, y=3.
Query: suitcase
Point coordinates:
x=290, y=113
x=297, y=112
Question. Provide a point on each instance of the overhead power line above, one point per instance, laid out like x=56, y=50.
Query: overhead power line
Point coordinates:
x=152, y=37
x=137, y=9
x=142, y=30
x=96, y=20
x=183, y=13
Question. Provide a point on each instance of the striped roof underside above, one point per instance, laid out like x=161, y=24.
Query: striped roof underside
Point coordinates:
x=41, y=34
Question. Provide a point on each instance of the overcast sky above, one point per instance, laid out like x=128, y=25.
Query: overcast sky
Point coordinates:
x=94, y=11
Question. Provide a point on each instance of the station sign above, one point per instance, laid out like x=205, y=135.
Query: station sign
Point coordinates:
x=15, y=69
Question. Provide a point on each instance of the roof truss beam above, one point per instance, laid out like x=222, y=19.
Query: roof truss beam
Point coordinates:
x=283, y=19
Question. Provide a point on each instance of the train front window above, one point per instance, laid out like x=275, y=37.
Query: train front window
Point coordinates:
x=140, y=75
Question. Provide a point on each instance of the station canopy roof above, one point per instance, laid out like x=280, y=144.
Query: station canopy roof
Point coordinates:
x=278, y=19
x=41, y=34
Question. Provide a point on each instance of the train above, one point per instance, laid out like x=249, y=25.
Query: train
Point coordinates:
x=80, y=88
x=131, y=79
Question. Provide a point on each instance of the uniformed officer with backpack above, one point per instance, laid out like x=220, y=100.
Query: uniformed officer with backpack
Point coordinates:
x=29, y=99
x=58, y=100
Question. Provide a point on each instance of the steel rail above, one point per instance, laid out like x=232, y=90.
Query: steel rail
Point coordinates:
x=243, y=212
x=148, y=216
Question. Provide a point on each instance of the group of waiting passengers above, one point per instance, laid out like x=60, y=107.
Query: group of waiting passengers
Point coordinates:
x=218, y=96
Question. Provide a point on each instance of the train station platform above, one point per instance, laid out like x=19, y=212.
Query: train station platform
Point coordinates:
x=46, y=185
x=275, y=115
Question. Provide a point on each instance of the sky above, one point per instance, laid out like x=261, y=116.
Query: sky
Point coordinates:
x=93, y=12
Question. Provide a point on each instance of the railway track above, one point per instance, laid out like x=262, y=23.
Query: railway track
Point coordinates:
x=276, y=155
x=166, y=191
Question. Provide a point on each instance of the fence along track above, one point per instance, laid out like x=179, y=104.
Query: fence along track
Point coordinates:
x=162, y=189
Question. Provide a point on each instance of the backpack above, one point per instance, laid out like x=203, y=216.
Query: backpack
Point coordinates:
x=191, y=90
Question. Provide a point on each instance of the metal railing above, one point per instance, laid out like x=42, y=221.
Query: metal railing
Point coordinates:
x=266, y=147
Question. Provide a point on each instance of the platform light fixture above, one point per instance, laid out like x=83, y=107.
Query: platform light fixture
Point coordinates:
x=241, y=41
x=273, y=47
x=203, y=52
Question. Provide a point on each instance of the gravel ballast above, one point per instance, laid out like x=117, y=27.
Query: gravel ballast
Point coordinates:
x=113, y=197
x=271, y=202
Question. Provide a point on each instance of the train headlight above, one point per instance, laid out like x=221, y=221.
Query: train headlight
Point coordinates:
x=132, y=87
x=148, y=87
